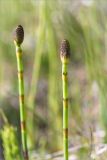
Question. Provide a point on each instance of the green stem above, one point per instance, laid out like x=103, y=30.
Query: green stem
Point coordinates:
x=21, y=101
x=65, y=109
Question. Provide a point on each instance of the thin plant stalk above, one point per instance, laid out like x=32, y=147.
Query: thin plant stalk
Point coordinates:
x=65, y=55
x=18, y=39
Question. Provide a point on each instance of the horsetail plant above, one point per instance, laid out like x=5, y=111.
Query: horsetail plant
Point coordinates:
x=65, y=56
x=18, y=39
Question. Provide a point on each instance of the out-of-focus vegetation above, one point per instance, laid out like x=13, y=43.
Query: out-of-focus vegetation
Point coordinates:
x=46, y=22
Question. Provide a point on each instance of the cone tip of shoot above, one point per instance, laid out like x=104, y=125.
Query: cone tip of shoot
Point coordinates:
x=65, y=50
x=19, y=35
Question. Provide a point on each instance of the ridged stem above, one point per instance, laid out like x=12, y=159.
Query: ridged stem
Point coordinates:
x=65, y=109
x=21, y=101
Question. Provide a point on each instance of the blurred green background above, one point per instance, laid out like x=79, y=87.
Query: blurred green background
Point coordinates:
x=46, y=23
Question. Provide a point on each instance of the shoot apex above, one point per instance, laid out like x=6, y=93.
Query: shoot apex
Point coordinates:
x=19, y=35
x=65, y=51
